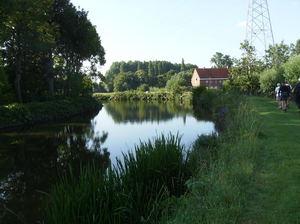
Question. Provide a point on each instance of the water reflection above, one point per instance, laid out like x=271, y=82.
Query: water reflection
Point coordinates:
x=32, y=157
x=138, y=112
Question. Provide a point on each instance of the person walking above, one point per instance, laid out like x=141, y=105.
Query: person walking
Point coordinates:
x=290, y=97
x=284, y=92
x=297, y=94
x=277, y=95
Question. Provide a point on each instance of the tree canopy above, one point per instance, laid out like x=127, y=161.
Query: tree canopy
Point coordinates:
x=152, y=73
x=44, y=44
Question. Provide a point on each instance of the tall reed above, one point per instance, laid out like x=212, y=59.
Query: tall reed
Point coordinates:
x=130, y=192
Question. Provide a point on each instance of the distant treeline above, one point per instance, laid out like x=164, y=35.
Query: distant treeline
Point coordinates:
x=128, y=75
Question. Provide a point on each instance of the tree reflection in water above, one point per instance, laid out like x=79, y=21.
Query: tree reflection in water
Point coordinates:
x=33, y=157
x=30, y=162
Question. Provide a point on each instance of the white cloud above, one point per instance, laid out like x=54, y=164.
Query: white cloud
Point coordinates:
x=241, y=24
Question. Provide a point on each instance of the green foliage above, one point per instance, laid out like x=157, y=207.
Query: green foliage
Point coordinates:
x=292, y=69
x=245, y=72
x=204, y=153
x=7, y=98
x=144, y=87
x=134, y=95
x=126, y=81
x=269, y=78
x=4, y=84
x=221, y=61
x=196, y=93
x=86, y=86
x=131, y=192
x=16, y=114
x=277, y=55
x=223, y=189
x=44, y=45
x=153, y=73
x=177, y=86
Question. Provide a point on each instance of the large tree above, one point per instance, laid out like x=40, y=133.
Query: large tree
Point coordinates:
x=245, y=71
x=78, y=41
x=36, y=35
x=221, y=61
x=277, y=55
x=25, y=30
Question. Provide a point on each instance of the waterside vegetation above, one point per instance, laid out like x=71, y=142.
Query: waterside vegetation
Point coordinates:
x=19, y=114
x=163, y=182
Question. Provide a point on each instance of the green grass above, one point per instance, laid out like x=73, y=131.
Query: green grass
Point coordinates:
x=132, y=191
x=248, y=175
x=277, y=180
x=255, y=178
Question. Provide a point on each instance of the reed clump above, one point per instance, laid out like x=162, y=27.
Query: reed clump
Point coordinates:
x=132, y=191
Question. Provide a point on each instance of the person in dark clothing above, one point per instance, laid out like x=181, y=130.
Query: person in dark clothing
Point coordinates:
x=297, y=94
x=284, y=92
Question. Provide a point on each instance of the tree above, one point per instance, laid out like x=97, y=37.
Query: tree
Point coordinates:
x=292, y=69
x=151, y=74
x=26, y=30
x=245, y=71
x=177, y=86
x=45, y=43
x=126, y=81
x=182, y=67
x=296, y=49
x=269, y=78
x=221, y=61
x=78, y=41
x=277, y=55
x=144, y=88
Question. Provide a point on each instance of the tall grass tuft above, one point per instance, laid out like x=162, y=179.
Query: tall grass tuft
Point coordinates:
x=132, y=191
x=223, y=187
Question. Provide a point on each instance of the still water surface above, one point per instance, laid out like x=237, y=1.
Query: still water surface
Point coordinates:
x=32, y=157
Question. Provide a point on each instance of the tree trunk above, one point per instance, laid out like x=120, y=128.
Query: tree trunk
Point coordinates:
x=17, y=80
x=51, y=76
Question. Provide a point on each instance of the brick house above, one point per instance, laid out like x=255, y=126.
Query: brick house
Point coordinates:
x=209, y=77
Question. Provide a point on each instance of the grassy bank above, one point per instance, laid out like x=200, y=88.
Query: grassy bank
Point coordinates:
x=20, y=114
x=246, y=174
x=255, y=178
x=221, y=191
x=277, y=180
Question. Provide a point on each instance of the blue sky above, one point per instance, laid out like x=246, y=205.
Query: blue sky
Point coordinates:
x=172, y=30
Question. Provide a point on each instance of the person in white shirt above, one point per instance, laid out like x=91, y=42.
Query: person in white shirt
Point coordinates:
x=278, y=95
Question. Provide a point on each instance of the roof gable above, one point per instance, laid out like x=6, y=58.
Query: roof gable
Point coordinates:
x=212, y=72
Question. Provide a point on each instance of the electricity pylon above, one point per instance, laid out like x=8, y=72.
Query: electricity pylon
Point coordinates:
x=259, y=30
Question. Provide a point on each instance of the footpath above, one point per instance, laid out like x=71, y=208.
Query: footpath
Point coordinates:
x=277, y=195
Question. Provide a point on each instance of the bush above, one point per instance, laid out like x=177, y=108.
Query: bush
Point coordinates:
x=144, y=87
x=7, y=98
x=17, y=114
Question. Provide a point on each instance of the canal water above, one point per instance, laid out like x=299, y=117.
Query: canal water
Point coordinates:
x=33, y=157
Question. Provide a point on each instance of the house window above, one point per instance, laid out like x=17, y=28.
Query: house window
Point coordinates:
x=206, y=81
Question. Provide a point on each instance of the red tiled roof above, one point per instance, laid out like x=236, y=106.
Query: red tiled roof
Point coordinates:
x=212, y=72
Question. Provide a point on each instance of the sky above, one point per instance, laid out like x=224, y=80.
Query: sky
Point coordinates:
x=172, y=30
